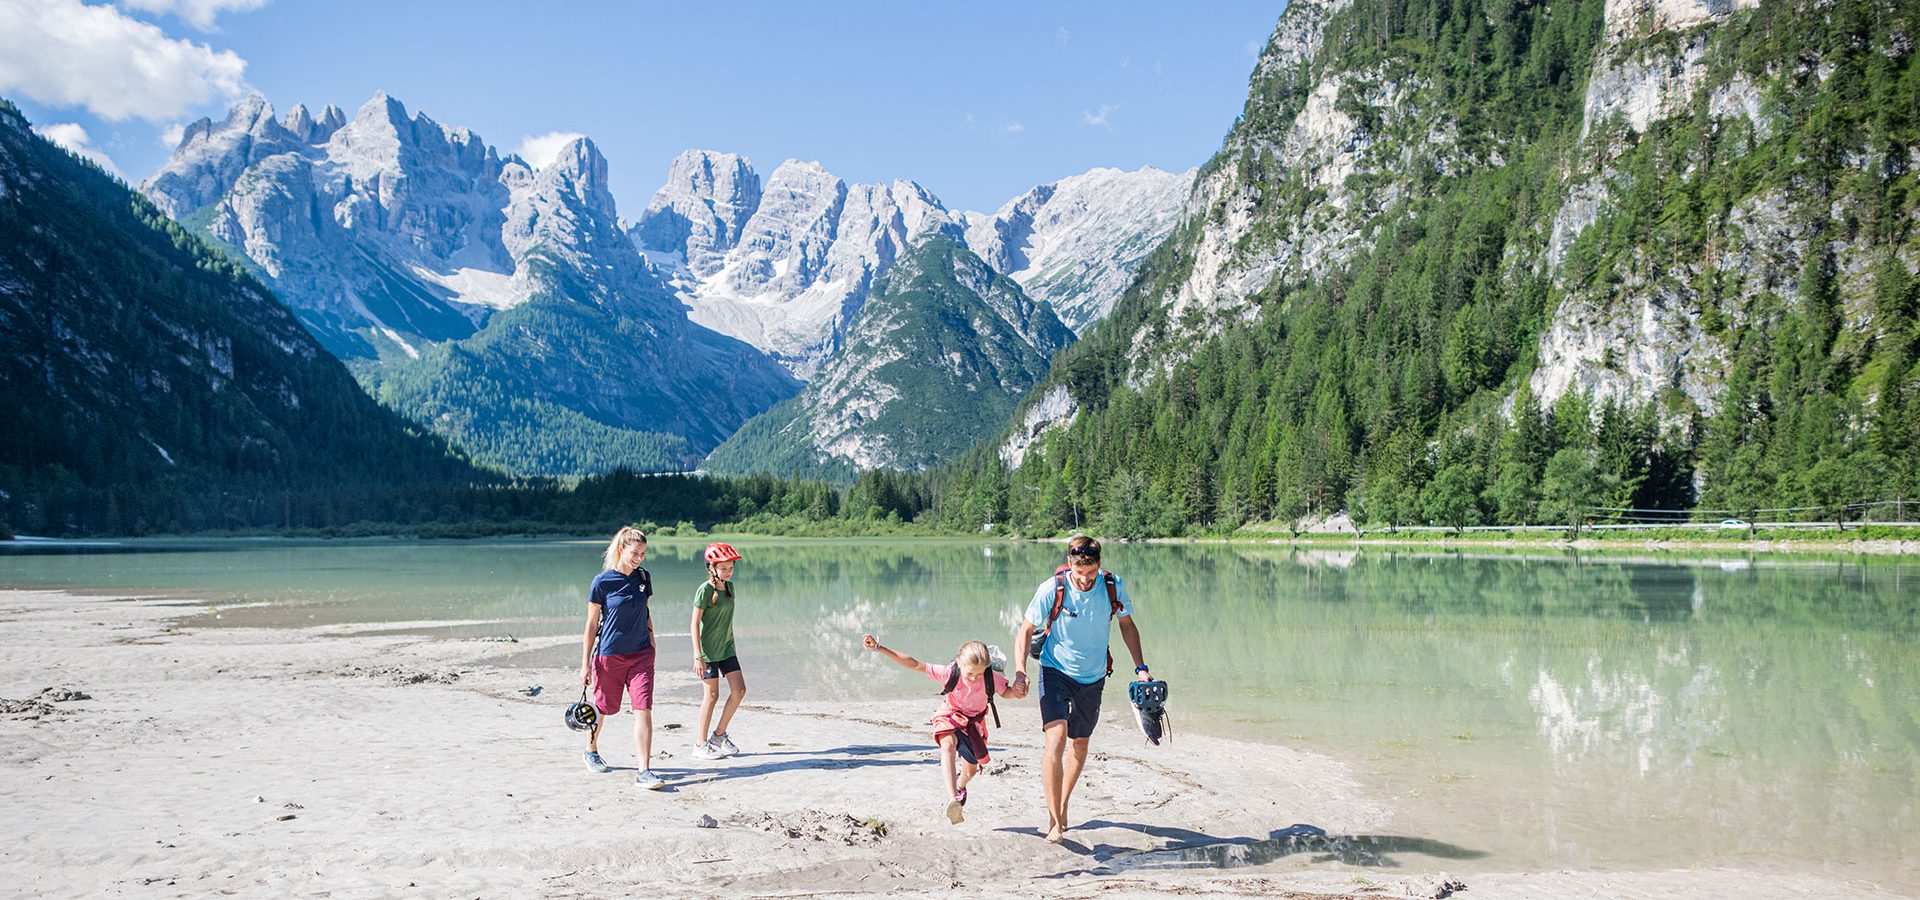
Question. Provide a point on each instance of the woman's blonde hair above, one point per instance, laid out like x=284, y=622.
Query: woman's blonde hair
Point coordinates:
x=973, y=653
x=622, y=539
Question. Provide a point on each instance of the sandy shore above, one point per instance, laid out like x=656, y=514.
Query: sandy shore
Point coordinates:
x=324, y=762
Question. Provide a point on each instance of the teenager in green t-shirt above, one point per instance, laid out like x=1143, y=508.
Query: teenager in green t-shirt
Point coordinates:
x=713, y=654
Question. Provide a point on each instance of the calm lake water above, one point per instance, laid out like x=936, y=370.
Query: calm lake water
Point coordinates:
x=1550, y=711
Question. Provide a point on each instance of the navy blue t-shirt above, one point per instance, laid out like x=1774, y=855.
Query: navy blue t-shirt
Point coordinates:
x=623, y=620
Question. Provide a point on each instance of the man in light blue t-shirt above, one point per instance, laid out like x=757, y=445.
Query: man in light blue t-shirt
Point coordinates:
x=1074, y=664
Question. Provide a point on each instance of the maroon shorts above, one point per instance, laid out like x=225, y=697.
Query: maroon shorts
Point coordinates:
x=629, y=672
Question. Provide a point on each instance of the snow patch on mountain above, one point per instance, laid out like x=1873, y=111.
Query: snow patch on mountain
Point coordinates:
x=1078, y=242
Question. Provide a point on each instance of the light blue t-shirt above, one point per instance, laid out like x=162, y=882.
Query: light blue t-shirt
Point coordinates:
x=1078, y=644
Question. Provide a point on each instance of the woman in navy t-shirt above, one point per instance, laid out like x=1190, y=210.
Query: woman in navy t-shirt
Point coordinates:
x=617, y=651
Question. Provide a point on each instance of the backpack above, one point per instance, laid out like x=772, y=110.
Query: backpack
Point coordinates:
x=1039, y=641
x=953, y=681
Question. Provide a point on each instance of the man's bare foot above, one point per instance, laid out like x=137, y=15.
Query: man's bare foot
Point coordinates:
x=1055, y=835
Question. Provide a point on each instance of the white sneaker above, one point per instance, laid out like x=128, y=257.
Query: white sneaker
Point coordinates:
x=707, y=750
x=648, y=780
x=725, y=744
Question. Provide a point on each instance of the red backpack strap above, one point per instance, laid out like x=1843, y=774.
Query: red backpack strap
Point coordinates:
x=1059, y=597
x=1113, y=598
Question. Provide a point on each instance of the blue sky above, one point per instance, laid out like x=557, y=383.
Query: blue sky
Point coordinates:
x=976, y=101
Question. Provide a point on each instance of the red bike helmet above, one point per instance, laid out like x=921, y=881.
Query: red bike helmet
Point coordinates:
x=719, y=553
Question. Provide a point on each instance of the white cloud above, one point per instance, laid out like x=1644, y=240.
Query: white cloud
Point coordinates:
x=74, y=138
x=1098, y=118
x=1254, y=48
x=170, y=136
x=1011, y=127
x=198, y=13
x=540, y=149
x=64, y=53
x=1062, y=36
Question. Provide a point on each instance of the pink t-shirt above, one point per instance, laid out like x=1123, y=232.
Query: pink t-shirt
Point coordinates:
x=966, y=699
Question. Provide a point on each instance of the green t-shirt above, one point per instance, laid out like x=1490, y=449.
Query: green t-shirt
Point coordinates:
x=716, y=624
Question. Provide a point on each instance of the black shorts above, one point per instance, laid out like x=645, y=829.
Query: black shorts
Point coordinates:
x=1062, y=698
x=714, y=670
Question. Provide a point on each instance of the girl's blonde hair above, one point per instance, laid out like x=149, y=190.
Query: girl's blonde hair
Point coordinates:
x=973, y=653
x=622, y=539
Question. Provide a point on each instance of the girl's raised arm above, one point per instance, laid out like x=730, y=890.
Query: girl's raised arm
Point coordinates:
x=904, y=660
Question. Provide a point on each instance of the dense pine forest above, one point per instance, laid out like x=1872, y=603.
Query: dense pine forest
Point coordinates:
x=1397, y=387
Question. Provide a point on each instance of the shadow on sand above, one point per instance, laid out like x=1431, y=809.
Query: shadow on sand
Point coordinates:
x=1195, y=850
x=1369, y=850
x=833, y=759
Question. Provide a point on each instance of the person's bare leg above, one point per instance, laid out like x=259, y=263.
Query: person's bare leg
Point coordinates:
x=1076, y=759
x=736, y=692
x=967, y=771
x=1050, y=780
x=593, y=737
x=712, y=696
x=947, y=753
x=643, y=737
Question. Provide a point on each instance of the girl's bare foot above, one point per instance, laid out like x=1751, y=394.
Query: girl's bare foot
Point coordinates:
x=1055, y=835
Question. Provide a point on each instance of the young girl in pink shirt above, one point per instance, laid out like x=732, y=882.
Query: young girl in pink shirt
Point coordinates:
x=960, y=727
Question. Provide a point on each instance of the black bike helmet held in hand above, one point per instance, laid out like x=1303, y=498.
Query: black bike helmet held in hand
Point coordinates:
x=582, y=716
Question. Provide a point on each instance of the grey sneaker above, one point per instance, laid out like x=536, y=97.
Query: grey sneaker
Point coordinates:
x=597, y=764
x=648, y=780
x=707, y=750
x=725, y=744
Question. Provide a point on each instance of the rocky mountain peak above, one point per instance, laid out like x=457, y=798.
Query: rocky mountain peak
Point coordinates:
x=210, y=156
x=382, y=106
x=581, y=171
x=1077, y=242
x=299, y=123
x=700, y=211
x=253, y=114
x=921, y=213
x=330, y=121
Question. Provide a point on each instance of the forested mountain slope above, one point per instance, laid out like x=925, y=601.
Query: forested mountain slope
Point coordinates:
x=1477, y=260
x=152, y=385
x=933, y=364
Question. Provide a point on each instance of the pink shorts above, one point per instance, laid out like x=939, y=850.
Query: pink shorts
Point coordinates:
x=631, y=672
